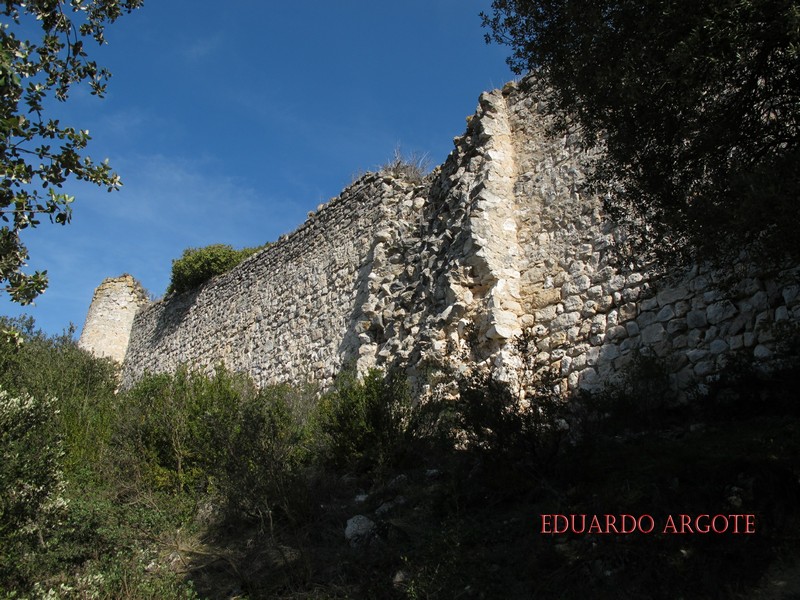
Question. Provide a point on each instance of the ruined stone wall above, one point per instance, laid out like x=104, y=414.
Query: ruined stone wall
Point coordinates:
x=447, y=274
x=289, y=313
x=108, y=323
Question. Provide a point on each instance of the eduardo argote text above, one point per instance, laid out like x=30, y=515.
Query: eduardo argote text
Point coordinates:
x=647, y=524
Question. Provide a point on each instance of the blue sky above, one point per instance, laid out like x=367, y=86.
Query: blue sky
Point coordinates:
x=230, y=126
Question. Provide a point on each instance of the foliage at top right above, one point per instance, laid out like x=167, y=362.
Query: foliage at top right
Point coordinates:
x=697, y=105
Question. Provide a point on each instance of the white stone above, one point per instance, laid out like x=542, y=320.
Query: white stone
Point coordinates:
x=359, y=530
x=653, y=333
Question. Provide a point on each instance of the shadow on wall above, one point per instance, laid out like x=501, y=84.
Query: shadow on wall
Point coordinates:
x=173, y=313
x=364, y=328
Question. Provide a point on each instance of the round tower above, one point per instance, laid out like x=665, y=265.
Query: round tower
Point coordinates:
x=108, y=323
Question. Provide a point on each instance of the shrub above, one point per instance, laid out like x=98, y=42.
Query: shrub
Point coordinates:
x=492, y=420
x=197, y=265
x=45, y=366
x=31, y=481
x=413, y=167
x=189, y=433
x=258, y=457
x=360, y=425
x=642, y=398
x=169, y=426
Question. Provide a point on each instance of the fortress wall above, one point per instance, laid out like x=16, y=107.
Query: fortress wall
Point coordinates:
x=448, y=274
x=585, y=317
x=287, y=314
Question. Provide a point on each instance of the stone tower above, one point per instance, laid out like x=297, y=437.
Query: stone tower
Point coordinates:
x=108, y=324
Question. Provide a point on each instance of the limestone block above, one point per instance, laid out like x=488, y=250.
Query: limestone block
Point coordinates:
x=634, y=279
x=653, y=333
x=627, y=311
x=631, y=294
x=645, y=319
x=505, y=326
x=699, y=284
x=541, y=299
x=665, y=314
x=696, y=319
x=791, y=294
x=677, y=326
x=648, y=304
x=588, y=379
x=720, y=311
x=595, y=292
x=672, y=295
x=359, y=531
x=763, y=320
x=617, y=282
x=589, y=309
x=741, y=322
x=632, y=327
x=680, y=341
x=682, y=307
x=718, y=347
x=615, y=333
x=697, y=355
x=760, y=301
x=704, y=368
x=567, y=319
x=608, y=353
x=762, y=352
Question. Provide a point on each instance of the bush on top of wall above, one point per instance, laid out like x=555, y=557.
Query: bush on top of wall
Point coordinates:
x=198, y=265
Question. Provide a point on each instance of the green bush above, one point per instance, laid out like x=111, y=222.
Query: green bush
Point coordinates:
x=45, y=366
x=361, y=425
x=259, y=456
x=31, y=481
x=197, y=265
x=189, y=434
x=169, y=426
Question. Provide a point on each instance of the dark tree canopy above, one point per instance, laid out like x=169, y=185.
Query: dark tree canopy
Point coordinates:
x=38, y=153
x=696, y=103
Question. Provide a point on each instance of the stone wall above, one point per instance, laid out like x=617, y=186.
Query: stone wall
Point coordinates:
x=108, y=323
x=449, y=273
x=292, y=311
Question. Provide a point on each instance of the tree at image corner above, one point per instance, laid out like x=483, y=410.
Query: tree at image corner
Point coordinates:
x=697, y=105
x=37, y=152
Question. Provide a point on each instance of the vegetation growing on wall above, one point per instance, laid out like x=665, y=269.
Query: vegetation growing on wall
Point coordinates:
x=197, y=265
x=411, y=167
